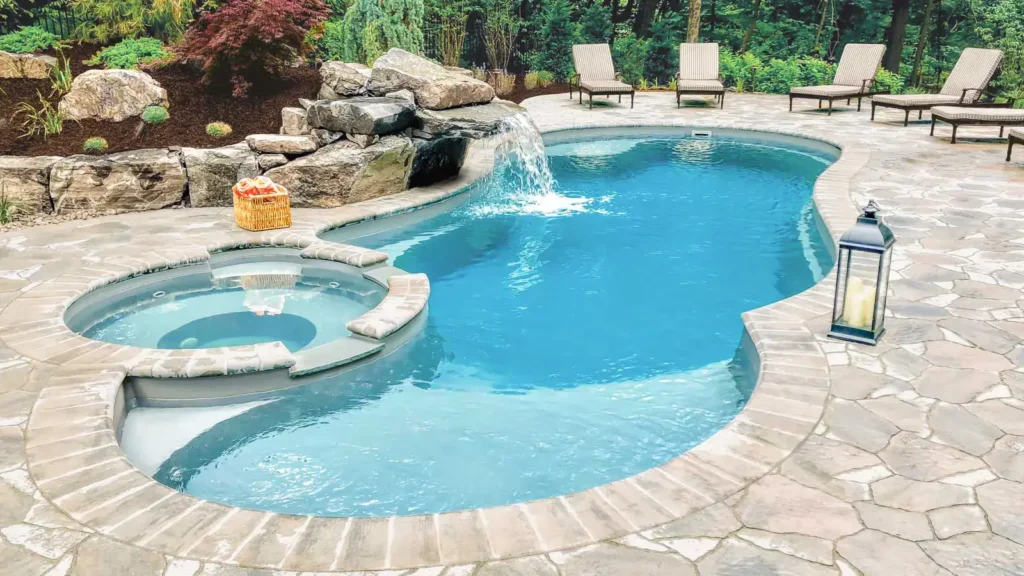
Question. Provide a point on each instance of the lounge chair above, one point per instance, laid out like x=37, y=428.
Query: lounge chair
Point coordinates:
x=854, y=78
x=698, y=72
x=964, y=87
x=957, y=116
x=595, y=73
x=1016, y=137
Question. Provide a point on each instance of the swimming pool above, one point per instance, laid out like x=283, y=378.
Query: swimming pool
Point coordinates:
x=576, y=335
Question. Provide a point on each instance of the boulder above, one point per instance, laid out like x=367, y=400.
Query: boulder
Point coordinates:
x=28, y=66
x=364, y=115
x=325, y=137
x=435, y=88
x=268, y=161
x=402, y=95
x=293, y=122
x=470, y=121
x=343, y=79
x=281, y=144
x=25, y=180
x=213, y=171
x=306, y=103
x=113, y=95
x=145, y=179
x=459, y=70
x=437, y=160
x=342, y=173
x=363, y=140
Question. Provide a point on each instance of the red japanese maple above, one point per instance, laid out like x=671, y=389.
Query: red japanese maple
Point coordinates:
x=246, y=41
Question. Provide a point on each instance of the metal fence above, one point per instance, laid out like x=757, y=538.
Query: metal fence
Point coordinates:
x=56, y=17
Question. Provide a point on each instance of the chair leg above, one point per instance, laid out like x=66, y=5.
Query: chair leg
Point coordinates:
x=791, y=103
x=819, y=104
x=920, y=114
x=848, y=101
x=873, y=111
x=858, y=104
x=631, y=94
x=1001, y=128
x=721, y=100
x=1009, y=151
x=933, y=126
x=953, y=141
x=591, y=100
x=679, y=99
x=620, y=98
x=581, y=95
x=829, y=106
x=906, y=118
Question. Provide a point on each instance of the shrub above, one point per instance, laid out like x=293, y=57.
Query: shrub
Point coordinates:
x=663, y=49
x=479, y=73
x=372, y=27
x=155, y=115
x=46, y=120
x=501, y=29
x=530, y=81
x=94, y=145
x=596, y=24
x=739, y=71
x=630, y=55
x=504, y=83
x=27, y=40
x=331, y=43
x=218, y=129
x=61, y=76
x=557, y=35
x=129, y=53
x=106, y=20
x=245, y=42
x=8, y=207
x=886, y=80
x=545, y=78
x=453, y=31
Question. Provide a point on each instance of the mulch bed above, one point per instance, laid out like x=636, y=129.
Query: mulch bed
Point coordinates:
x=192, y=107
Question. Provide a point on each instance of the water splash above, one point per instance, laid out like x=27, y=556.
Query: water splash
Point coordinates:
x=523, y=183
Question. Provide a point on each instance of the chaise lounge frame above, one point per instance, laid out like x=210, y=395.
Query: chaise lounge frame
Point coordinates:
x=712, y=74
x=596, y=59
x=956, y=123
x=863, y=57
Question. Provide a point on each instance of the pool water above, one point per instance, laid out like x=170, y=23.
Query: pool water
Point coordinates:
x=233, y=305
x=575, y=335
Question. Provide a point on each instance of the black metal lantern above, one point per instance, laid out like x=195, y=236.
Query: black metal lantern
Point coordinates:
x=862, y=280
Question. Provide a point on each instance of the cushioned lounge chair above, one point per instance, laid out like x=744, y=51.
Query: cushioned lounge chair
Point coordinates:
x=698, y=72
x=957, y=116
x=595, y=73
x=1016, y=137
x=855, y=77
x=964, y=87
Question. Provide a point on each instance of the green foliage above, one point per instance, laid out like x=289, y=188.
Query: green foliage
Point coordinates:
x=557, y=35
x=8, y=207
x=129, y=53
x=94, y=145
x=155, y=115
x=778, y=76
x=663, y=49
x=28, y=40
x=218, y=129
x=739, y=71
x=531, y=80
x=545, y=78
x=630, y=55
x=886, y=80
x=596, y=24
x=61, y=76
x=372, y=27
x=107, y=20
x=331, y=43
x=46, y=119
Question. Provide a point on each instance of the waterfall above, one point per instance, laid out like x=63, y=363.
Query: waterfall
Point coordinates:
x=522, y=182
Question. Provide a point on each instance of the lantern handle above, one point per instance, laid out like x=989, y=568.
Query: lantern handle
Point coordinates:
x=871, y=210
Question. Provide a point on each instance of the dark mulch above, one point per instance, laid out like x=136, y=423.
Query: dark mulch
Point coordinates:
x=192, y=107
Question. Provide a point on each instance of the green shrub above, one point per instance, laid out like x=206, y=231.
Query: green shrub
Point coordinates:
x=106, y=20
x=663, y=49
x=596, y=24
x=739, y=71
x=218, y=129
x=886, y=80
x=46, y=120
x=8, y=207
x=557, y=35
x=778, y=76
x=630, y=55
x=28, y=40
x=331, y=44
x=531, y=80
x=372, y=27
x=94, y=145
x=545, y=78
x=129, y=53
x=155, y=115
x=61, y=76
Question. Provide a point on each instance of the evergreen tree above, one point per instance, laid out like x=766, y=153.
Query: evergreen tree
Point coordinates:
x=557, y=35
x=596, y=24
x=663, y=49
x=372, y=27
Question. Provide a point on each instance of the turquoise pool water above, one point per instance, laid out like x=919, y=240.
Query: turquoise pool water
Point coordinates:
x=575, y=335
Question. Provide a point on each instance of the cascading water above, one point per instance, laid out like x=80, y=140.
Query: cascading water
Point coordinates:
x=522, y=180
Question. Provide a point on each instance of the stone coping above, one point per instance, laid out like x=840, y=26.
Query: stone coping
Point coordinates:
x=72, y=452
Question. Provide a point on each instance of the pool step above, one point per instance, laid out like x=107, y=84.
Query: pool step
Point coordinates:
x=332, y=355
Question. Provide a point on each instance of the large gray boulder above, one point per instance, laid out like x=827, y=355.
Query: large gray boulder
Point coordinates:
x=342, y=173
x=281, y=144
x=113, y=95
x=435, y=88
x=470, y=121
x=25, y=180
x=145, y=179
x=213, y=171
x=437, y=160
x=28, y=66
x=341, y=79
x=365, y=115
x=293, y=122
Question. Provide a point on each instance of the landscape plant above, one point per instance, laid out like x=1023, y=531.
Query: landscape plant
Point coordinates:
x=557, y=35
x=29, y=39
x=46, y=119
x=453, y=32
x=218, y=129
x=103, y=21
x=531, y=80
x=630, y=56
x=8, y=206
x=372, y=27
x=662, y=62
x=94, y=145
x=501, y=29
x=155, y=115
x=504, y=83
x=246, y=42
x=130, y=53
x=596, y=24
x=61, y=76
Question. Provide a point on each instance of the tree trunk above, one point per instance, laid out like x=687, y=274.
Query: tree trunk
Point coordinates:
x=693, y=26
x=750, y=29
x=896, y=35
x=821, y=26
x=922, y=43
x=644, y=17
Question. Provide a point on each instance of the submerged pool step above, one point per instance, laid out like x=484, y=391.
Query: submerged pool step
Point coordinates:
x=332, y=355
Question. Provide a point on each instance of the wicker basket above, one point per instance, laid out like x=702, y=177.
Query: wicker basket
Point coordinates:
x=263, y=212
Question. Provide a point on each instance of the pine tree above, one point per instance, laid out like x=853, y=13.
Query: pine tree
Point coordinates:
x=663, y=50
x=596, y=24
x=372, y=27
x=557, y=35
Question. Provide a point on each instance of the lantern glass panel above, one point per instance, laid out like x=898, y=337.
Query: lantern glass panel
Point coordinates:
x=882, y=290
x=856, y=302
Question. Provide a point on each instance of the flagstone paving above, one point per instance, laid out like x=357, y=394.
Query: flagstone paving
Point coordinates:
x=914, y=463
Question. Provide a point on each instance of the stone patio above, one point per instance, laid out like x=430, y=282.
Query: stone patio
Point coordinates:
x=903, y=459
